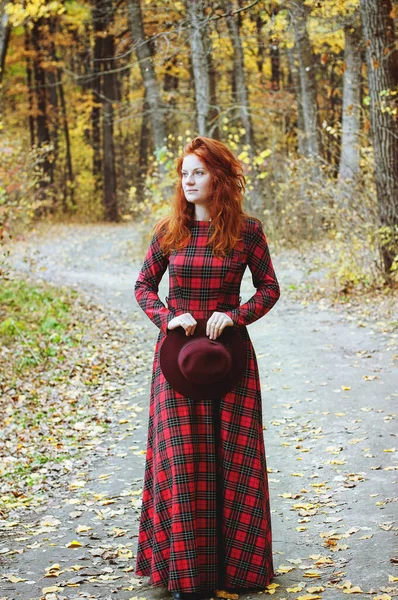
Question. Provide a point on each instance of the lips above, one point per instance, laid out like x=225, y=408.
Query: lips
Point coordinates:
x=188, y=191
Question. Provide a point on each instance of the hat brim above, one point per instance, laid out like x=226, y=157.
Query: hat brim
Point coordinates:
x=168, y=358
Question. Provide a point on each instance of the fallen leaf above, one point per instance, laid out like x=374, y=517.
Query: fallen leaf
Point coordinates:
x=284, y=569
x=296, y=589
x=74, y=544
x=14, y=579
x=227, y=595
x=49, y=521
x=271, y=588
x=82, y=529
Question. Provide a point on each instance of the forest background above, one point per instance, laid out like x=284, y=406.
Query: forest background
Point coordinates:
x=98, y=99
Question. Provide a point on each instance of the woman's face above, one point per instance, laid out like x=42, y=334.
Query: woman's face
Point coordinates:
x=195, y=180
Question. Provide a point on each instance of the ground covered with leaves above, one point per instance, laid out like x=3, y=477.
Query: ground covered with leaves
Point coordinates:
x=60, y=385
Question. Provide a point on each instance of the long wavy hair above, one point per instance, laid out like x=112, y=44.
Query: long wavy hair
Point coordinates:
x=227, y=187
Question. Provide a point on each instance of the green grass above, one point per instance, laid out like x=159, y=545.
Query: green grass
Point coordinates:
x=35, y=323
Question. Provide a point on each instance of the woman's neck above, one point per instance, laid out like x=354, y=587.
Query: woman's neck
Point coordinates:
x=201, y=214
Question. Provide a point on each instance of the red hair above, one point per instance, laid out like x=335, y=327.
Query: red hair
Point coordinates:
x=226, y=213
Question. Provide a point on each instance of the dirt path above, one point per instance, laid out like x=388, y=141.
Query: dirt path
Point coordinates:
x=329, y=388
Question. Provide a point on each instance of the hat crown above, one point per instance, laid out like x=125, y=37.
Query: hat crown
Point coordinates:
x=204, y=360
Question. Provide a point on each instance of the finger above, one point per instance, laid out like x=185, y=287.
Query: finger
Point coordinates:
x=215, y=326
x=208, y=326
x=191, y=324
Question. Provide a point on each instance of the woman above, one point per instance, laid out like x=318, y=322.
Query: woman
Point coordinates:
x=205, y=519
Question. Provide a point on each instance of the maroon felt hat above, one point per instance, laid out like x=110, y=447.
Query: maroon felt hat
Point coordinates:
x=201, y=368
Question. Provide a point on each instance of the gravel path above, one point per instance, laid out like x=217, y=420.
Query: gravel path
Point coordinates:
x=329, y=387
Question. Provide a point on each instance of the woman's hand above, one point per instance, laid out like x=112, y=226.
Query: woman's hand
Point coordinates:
x=217, y=323
x=186, y=321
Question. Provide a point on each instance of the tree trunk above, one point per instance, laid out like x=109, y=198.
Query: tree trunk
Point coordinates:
x=53, y=93
x=307, y=78
x=275, y=63
x=70, y=186
x=43, y=134
x=214, y=111
x=382, y=70
x=143, y=52
x=260, y=43
x=242, y=100
x=29, y=79
x=98, y=27
x=200, y=64
x=109, y=94
x=4, y=35
x=295, y=76
x=350, y=141
x=143, y=153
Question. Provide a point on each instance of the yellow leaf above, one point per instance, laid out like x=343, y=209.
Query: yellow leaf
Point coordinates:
x=74, y=544
x=54, y=567
x=51, y=590
x=49, y=521
x=297, y=474
x=53, y=571
x=389, y=450
x=272, y=586
x=304, y=505
x=228, y=595
x=14, y=579
x=124, y=553
x=296, y=589
x=312, y=573
x=284, y=569
x=309, y=597
x=82, y=528
x=392, y=578
x=338, y=547
x=353, y=590
x=315, y=589
x=325, y=560
x=76, y=484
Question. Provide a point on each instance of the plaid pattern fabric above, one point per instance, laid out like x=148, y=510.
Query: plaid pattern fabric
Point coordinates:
x=205, y=516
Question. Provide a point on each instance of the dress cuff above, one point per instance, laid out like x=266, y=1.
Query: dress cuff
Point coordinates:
x=234, y=315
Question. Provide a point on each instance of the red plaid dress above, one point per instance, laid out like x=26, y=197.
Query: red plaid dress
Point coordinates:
x=205, y=517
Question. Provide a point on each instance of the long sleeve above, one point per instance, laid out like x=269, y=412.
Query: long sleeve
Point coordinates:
x=147, y=285
x=264, y=280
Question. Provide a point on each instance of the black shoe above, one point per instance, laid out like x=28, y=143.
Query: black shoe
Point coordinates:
x=177, y=595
